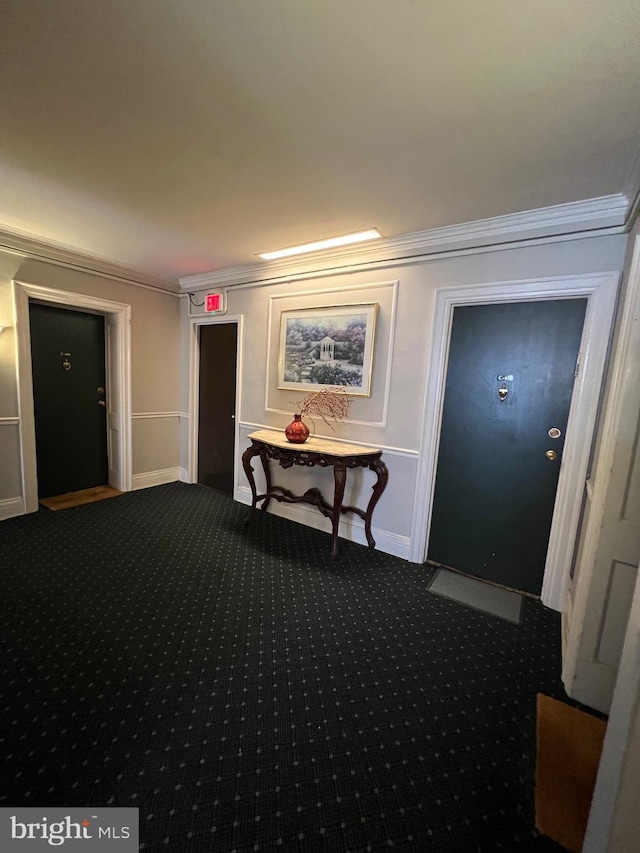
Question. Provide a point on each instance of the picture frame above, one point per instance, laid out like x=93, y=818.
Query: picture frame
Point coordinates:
x=326, y=347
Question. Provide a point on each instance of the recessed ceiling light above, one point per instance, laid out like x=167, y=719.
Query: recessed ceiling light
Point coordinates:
x=331, y=243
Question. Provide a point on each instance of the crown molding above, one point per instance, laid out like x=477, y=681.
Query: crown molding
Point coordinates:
x=30, y=246
x=594, y=214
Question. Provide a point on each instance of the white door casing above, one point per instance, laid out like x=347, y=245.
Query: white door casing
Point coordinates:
x=118, y=360
x=600, y=290
x=194, y=382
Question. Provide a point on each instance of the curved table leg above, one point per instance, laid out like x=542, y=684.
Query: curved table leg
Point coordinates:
x=247, y=456
x=339, y=480
x=382, y=472
x=267, y=477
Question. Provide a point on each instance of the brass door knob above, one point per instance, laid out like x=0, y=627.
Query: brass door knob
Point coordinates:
x=102, y=403
x=551, y=454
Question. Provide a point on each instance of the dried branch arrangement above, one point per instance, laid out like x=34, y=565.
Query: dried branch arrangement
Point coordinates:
x=331, y=403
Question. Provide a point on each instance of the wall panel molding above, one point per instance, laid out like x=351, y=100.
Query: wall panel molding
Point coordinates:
x=344, y=294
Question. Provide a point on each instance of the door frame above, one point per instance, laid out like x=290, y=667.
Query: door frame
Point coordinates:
x=613, y=812
x=600, y=290
x=118, y=361
x=194, y=384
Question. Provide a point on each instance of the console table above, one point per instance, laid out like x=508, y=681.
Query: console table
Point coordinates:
x=272, y=444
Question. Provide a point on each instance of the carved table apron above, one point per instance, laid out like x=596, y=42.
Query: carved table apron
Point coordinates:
x=272, y=444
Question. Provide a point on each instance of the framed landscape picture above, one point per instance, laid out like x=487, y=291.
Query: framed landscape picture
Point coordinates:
x=327, y=347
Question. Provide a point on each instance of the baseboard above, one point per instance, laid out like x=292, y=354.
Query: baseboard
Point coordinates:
x=158, y=478
x=11, y=507
x=351, y=529
x=593, y=685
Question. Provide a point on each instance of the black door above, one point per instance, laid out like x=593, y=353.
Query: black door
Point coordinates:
x=68, y=362
x=217, y=406
x=495, y=485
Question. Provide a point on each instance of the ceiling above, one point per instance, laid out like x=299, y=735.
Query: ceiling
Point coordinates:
x=177, y=137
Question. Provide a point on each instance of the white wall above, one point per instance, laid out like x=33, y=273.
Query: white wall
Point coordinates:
x=399, y=433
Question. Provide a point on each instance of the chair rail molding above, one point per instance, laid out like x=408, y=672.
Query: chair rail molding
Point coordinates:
x=152, y=415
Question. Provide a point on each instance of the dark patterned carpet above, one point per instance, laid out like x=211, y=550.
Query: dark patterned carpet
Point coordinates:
x=248, y=695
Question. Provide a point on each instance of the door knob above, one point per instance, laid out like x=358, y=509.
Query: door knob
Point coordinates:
x=102, y=403
x=551, y=454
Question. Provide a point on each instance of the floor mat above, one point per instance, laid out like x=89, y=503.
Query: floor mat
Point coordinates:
x=85, y=496
x=569, y=744
x=474, y=593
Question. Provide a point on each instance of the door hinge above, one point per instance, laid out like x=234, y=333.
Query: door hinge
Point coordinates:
x=577, y=370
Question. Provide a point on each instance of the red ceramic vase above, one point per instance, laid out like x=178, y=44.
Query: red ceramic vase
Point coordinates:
x=297, y=432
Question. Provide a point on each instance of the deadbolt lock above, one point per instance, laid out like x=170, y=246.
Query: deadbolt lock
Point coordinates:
x=100, y=389
x=551, y=454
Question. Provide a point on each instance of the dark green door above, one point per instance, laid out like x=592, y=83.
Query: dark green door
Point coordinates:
x=495, y=487
x=68, y=362
x=217, y=405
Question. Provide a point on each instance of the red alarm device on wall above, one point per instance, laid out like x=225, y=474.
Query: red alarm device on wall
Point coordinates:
x=215, y=303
